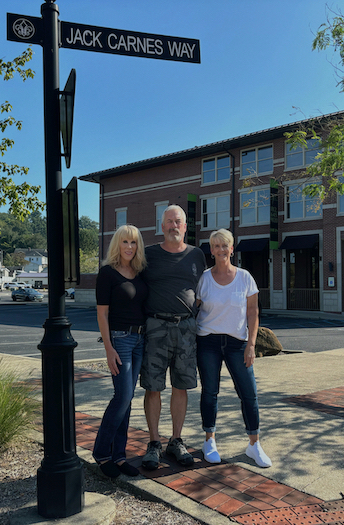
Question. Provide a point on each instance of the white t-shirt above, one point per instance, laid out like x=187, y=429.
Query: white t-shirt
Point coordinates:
x=224, y=307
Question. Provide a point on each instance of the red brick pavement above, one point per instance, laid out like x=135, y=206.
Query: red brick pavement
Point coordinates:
x=233, y=491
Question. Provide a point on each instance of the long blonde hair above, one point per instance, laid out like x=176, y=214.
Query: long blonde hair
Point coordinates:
x=113, y=256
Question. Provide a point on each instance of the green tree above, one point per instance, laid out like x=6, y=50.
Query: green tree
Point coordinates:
x=15, y=259
x=89, y=263
x=86, y=223
x=329, y=132
x=88, y=235
x=89, y=241
x=22, y=234
x=21, y=198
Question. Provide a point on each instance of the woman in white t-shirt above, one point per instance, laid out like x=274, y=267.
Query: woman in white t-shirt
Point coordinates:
x=227, y=325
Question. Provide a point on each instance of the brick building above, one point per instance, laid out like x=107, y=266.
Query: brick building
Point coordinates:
x=252, y=185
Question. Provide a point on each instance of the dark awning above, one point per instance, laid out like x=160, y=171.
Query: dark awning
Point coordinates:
x=299, y=242
x=252, y=245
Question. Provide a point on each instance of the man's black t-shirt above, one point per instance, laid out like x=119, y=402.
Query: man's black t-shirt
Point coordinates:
x=172, y=279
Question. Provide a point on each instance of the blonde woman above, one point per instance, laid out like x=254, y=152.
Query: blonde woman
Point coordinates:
x=120, y=293
x=227, y=325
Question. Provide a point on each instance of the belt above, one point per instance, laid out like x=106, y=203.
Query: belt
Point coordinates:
x=132, y=329
x=172, y=318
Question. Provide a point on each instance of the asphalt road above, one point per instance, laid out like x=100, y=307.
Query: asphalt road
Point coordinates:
x=21, y=331
x=307, y=335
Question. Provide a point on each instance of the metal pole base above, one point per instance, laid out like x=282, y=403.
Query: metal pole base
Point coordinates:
x=60, y=479
x=59, y=491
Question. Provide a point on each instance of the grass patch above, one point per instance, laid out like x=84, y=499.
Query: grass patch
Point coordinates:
x=17, y=407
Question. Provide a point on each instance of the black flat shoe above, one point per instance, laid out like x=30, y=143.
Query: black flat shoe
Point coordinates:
x=127, y=469
x=110, y=469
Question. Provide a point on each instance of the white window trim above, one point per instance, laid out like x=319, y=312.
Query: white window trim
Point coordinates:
x=255, y=189
x=302, y=166
x=119, y=210
x=256, y=174
x=339, y=174
x=210, y=196
x=158, y=204
x=224, y=181
x=300, y=182
x=339, y=213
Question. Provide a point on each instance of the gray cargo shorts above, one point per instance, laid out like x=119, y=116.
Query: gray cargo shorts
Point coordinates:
x=170, y=345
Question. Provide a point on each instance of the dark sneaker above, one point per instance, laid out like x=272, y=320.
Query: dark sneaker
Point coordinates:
x=151, y=459
x=177, y=449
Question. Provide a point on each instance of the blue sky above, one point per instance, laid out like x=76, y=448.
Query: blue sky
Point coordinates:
x=257, y=66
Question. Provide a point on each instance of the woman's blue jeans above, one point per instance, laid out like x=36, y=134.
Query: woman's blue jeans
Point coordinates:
x=212, y=350
x=112, y=435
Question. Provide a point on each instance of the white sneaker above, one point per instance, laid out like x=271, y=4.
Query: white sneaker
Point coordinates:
x=257, y=453
x=210, y=451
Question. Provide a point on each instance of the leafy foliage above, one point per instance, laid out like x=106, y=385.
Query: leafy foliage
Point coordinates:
x=88, y=236
x=331, y=35
x=329, y=162
x=17, y=407
x=89, y=245
x=327, y=169
x=29, y=233
x=22, y=198
x=89, y=262
x=15, y=259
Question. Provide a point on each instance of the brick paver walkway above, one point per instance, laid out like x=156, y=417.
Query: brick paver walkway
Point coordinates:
x=233, y=491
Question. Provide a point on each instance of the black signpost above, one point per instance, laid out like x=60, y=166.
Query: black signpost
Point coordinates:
x=60, y=491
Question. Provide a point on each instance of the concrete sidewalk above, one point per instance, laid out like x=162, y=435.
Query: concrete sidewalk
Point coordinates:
x=301, y=397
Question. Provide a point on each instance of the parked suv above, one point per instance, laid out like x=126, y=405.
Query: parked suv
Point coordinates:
x=15, y=284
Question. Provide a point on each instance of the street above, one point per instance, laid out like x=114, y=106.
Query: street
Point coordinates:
x=21, y=331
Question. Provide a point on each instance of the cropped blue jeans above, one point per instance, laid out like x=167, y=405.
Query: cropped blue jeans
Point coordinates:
x=112, y=435
x=212, y=350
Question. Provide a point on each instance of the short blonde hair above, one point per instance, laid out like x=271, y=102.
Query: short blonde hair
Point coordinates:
x=223, y=235
x=113, y=256
x=173, y=207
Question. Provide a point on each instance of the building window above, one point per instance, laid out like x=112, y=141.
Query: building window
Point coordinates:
x=160, y=207
x=215, y=212
x=257, y=161
x=301, y=156
x=121, y=217
x=255, y=207
x=340, y=204
x=340, y=198
x=300, y=206
x=216, y=169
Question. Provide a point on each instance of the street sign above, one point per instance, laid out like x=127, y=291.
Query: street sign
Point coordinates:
x=71, y=233
x=22, y=28
x=132, y=43
x=66, y=115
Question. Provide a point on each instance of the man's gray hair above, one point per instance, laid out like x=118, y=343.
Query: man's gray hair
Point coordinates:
x=173, y=207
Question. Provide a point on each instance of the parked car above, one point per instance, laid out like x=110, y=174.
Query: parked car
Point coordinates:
x=70, y=293
x=16, y=284
x=27, y=294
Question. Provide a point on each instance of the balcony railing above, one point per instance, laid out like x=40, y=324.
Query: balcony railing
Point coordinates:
x=303, y=299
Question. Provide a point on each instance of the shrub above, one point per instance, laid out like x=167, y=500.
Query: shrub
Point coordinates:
x=17, y=407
